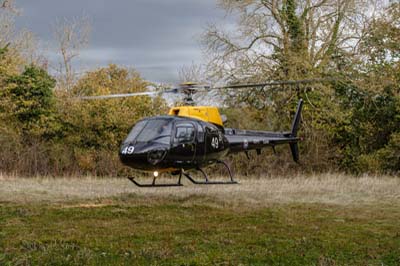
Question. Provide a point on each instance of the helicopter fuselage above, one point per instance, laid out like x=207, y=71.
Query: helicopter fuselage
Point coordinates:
x=173, y=143
x=168, y=143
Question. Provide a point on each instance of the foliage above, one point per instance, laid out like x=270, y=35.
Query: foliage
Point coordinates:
x=369, y=129
x=94, y=129
x=368, y=138
x=33, y=102
x=9, y=64
x=51, y=132
x=103, y=124
x=389, y=156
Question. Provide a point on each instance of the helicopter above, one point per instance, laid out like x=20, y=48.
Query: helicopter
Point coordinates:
x=190, y=138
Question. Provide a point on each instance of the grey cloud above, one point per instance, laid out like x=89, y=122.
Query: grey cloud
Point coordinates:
x=154, y=36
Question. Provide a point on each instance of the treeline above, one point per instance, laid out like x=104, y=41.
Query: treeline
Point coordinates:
x=351, y=122
x=50, y=132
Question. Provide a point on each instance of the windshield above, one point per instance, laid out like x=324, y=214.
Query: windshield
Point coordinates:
x=135, y=131
x=156, y=130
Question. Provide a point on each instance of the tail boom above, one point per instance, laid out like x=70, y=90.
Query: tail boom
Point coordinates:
x=246, y=140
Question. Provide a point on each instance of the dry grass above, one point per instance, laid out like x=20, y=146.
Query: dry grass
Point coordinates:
x=329, y=219
x=326, y=188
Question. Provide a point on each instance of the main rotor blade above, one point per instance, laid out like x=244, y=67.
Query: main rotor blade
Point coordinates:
x=121, y=95
x=190, y=90
x=273, y=83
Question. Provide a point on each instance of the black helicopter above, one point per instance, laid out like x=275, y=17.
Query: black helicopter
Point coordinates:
x=193, y=137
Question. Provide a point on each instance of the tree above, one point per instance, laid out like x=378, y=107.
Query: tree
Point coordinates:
x=22, y=44
x=31, y=95
x=94, y=129
x=355, y=41
x=9, y=5
x=287, y=40
x=8, y=64
x=368, y=139
x=284, y=39
x=379, y=51
x=71, y=36
x=10, y=61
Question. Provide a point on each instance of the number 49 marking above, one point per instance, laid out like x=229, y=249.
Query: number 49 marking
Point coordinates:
x=128, y=150
x=215, y=143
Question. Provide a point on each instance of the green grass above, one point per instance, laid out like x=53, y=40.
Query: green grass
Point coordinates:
x=127, y=230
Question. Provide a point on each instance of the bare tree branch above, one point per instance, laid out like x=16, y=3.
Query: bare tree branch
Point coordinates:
x=71, y=35
x=9, y=5
x=265, y=35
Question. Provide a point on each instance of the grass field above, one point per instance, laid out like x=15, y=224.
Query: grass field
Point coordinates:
x=318, y=220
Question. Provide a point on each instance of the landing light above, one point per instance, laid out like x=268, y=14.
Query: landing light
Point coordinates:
x=155, y=174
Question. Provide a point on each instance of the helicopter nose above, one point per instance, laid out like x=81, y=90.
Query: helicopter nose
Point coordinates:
x=142, y=156
x=131, y=155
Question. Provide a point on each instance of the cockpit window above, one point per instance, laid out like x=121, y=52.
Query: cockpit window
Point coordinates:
x=155, y=130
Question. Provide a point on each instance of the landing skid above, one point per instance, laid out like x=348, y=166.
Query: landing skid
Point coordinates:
x=153, y=184
x=190, y=178
x=132, y=179
x=208, y=182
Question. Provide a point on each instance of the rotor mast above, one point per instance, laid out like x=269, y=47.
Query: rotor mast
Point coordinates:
x=189, y=89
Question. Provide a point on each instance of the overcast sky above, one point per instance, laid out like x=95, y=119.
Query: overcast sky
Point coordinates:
x=156, y=37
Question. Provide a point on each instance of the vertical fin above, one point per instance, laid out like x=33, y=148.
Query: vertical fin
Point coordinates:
x=297, y=119
x=294, y=147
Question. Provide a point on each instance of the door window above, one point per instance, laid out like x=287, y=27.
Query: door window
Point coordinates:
x=200, y=134
x=184, y=133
